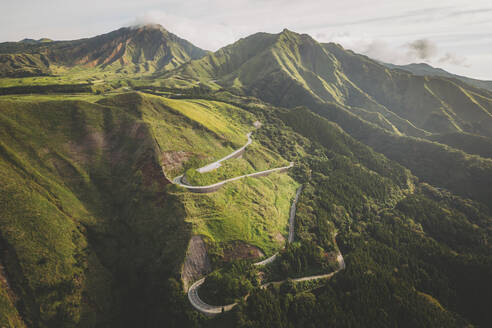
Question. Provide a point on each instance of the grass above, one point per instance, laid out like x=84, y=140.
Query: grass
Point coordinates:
x=255, y=210
x=69, y=167
x=72, y=164
x=227, y=121
x=200, y=130
x=256, y=158
x=9, y=316
x=89, y=97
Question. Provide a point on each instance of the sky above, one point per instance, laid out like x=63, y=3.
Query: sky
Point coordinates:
x=455, y=35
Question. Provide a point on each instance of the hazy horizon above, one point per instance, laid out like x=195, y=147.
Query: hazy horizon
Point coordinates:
x=453, y=35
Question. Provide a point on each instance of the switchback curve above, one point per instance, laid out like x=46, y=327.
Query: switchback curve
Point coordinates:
x=212, y=310
x=214, y=187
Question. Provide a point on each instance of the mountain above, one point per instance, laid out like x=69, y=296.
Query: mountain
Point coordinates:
x=139, y=49
x=290, y=69
x=364, y=189
x=426, y=69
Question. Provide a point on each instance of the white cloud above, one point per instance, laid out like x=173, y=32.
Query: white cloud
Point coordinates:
x=202, y=34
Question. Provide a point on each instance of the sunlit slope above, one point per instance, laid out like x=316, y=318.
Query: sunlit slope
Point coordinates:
x=83, y=191
x=195, y=131
x=436, y=104
x=252, y=210
x=66, y=168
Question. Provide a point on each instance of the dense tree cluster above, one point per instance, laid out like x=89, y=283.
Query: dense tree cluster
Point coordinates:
x=224, y=286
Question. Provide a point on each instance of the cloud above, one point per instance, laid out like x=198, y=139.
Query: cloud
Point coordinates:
x=404, y=53
x=422, y=49
x=454, y=59
x=203, y=34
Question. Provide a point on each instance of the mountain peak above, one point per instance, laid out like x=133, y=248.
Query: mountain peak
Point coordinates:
x=148, y=26
x=286, y=31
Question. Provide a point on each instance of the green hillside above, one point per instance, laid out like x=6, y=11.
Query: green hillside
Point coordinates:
x=83, y=179
x=361, y=95
x=290, y=69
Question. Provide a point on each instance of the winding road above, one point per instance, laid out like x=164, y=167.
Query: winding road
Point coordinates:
x=214, y=187
x=180, y=181
x=236, y=153
x=193, y=297
x=203, y=307
x=212, y=310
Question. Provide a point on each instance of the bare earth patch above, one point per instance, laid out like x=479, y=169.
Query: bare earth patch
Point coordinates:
x=278, y=237
x=197, y=263
x=237, y=250
x=173, y=160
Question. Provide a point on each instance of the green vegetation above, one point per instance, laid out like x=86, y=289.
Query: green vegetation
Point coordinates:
x=140, y=51
x=254, y=210
x=397, y=246
x=225, y=286
x=469, y=143
x=256, y=158
x=9, y=316
x=70, y=172
x=290, y=69
x=300, y=260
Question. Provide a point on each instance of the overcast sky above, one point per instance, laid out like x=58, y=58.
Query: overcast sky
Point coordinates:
x=453, y=34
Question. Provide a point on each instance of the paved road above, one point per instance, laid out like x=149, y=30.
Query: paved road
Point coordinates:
x=213, y=310
x=213, y=187
x=267, y=260
x=216, y=164
x=341, y=266
x=293, y=215
x=203, y=307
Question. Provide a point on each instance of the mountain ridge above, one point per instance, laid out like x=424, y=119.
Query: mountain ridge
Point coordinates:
x=426, y=69
x=145, y=48
x=315, y=72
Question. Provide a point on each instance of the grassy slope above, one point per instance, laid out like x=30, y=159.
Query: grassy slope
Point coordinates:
x=9, y=316
x=72, y=217
x=353, y=190
x=252, y=210
x=226, y=215
x=463, y=174
x=256, y=158
x=204, y=130
x=37, y=203
x=469, y=143
x=83, y=192
x=443, y=166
